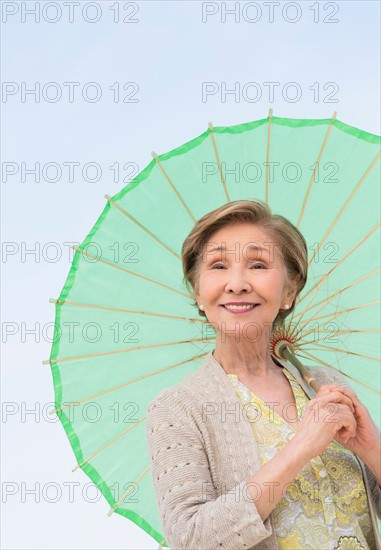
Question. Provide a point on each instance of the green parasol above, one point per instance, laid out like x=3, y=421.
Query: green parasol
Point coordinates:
x=125, y=326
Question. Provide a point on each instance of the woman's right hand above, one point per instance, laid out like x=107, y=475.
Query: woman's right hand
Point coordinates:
x=327, y=416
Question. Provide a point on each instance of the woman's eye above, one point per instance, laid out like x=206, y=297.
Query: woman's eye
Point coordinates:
x=254, y=265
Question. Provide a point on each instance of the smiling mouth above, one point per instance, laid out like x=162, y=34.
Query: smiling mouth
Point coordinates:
x=240, y=308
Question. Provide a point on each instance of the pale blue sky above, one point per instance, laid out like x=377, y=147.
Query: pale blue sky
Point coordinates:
x=168, y=53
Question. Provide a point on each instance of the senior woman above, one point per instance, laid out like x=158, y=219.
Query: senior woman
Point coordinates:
x=244, y=454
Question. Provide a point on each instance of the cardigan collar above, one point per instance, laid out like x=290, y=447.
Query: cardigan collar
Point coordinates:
x=215, y=367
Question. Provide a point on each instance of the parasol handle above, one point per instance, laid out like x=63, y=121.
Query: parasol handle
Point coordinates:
x=285, y=353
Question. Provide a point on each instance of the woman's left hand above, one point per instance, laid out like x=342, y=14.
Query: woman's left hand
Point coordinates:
x=367, y=438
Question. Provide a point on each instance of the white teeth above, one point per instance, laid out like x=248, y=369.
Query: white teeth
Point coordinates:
x=239, y=307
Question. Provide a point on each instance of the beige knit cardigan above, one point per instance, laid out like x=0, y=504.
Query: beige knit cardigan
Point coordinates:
x=202, y=452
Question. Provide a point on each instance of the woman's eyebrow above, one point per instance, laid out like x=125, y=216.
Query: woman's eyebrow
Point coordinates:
x=251, y=253
x=249, y=246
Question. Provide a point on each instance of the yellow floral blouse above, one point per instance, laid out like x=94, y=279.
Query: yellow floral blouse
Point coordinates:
x=326, y=506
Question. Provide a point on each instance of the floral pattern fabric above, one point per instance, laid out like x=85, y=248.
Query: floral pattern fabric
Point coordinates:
x=326, y=506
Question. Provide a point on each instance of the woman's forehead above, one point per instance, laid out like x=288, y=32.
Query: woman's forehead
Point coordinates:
x=240, y=231
x=243, y=239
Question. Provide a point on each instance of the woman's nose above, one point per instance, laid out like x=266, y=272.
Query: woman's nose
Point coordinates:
x=238, y=281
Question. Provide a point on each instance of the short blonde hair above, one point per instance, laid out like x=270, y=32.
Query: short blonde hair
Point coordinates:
x=291, y=242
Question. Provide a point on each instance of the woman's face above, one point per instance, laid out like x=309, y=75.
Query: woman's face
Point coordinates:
x=242, y=274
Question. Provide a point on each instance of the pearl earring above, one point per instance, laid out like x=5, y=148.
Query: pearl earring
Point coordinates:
x=286, y=306
x=201, y=307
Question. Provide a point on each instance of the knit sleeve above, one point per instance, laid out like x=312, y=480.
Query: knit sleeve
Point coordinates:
x=375, y=488
x=191, y=513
